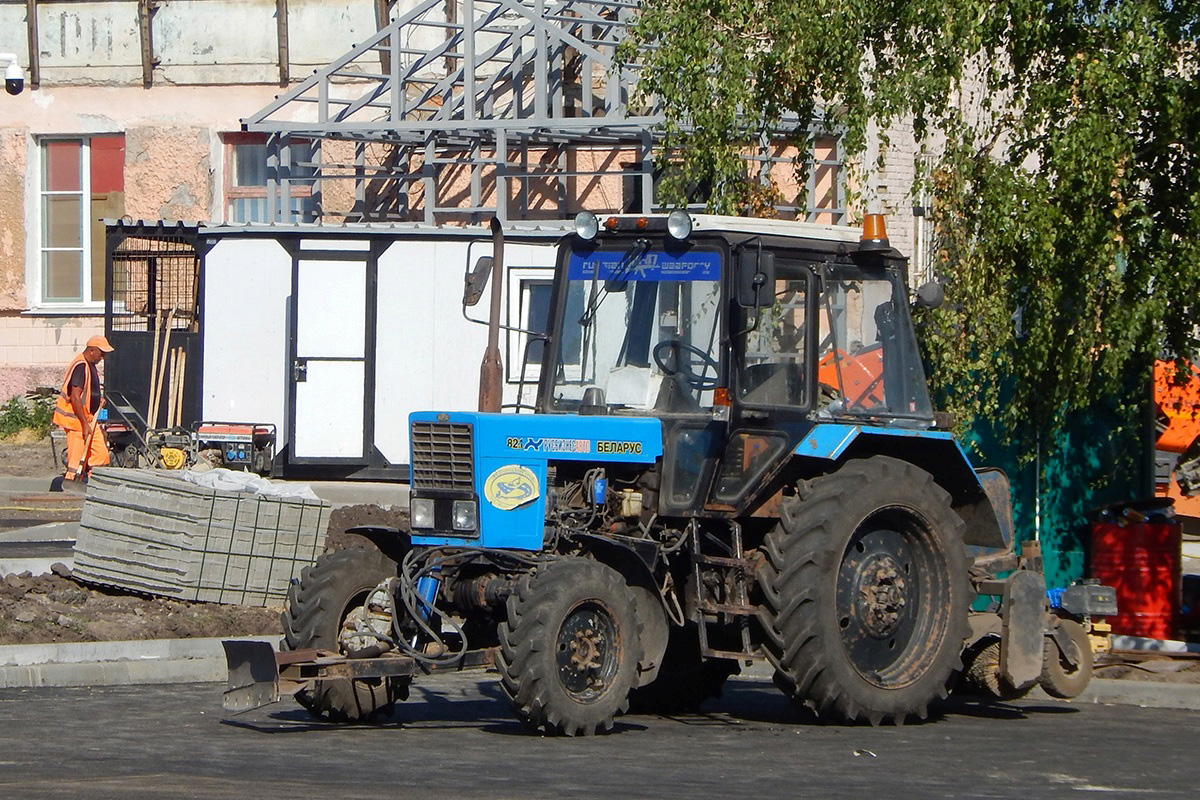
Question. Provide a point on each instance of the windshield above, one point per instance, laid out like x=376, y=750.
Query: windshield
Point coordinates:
x=867, y=359
x=641, y=325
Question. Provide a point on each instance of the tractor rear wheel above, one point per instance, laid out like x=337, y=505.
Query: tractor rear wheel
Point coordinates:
x=865, y=593
x=570, y=646
x=318, y=607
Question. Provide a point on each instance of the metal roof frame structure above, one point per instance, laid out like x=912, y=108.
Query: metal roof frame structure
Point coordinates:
x=457, y=120
x=491, y=102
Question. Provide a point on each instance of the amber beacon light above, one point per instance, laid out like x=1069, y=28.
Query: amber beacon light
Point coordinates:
x=874, y=235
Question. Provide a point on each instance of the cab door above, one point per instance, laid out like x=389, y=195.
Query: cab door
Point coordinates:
x=773, y=383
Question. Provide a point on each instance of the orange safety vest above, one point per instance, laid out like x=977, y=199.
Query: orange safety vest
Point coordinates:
x=64, y=415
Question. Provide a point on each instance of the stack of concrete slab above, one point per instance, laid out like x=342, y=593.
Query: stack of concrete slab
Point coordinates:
x=151, y=531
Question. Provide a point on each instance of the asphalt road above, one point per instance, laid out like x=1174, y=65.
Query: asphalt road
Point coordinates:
x=455, y=739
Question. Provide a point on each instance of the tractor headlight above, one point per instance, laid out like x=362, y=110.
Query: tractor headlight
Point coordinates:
x=587, y=225
x=679, y=225
x=465, y=517
x=420, y=512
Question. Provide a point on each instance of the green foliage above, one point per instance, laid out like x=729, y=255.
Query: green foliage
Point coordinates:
x=20, y=414
x=1067, y=186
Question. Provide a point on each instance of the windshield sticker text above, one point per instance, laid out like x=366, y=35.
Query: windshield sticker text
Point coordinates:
x=652, y=266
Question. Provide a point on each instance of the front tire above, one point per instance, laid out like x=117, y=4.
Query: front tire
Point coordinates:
x=317, y=607
x=570, y=646
x=865, y=593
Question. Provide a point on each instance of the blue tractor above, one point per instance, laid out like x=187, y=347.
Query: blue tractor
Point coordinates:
x=732, y=456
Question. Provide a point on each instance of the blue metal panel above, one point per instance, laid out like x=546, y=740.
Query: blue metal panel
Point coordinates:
x=512, y=452
x=830, y=441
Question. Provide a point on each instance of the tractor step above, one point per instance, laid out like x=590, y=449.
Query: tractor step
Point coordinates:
x=736, y=570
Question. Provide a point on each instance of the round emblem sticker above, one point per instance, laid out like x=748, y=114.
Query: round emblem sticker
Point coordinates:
x=510, y=486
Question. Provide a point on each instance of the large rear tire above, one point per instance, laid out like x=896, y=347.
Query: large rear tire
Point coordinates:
x=865, y=593
x=570, y=646
x=328, y=592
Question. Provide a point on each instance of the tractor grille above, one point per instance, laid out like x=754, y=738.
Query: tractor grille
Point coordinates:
x=442, y=456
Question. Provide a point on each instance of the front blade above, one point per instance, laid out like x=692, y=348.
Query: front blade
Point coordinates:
x=253, y=675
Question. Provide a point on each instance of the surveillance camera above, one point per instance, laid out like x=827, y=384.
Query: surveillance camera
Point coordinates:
x=14, y=78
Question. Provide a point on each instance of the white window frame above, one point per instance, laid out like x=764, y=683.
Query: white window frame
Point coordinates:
x=520, y=282
x=35, y=273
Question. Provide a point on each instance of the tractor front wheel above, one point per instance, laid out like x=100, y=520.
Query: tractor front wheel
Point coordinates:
x=570, y=646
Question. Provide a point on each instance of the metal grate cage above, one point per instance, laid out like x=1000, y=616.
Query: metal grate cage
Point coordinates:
x=442, y=456
x=155, y=279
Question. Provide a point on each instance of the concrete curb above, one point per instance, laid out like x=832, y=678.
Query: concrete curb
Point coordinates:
x=34, y=566
x=115, y=663
x=203, y=661
x=1144, y=694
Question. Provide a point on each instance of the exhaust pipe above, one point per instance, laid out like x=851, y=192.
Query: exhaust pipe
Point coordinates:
x=491, y=370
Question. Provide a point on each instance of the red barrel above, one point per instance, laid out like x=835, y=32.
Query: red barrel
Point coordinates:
x=1142, y=561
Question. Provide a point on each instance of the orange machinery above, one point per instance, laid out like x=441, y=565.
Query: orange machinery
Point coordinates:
x=1178, y=426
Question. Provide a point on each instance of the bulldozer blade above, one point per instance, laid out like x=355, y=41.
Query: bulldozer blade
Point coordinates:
x=253, y=676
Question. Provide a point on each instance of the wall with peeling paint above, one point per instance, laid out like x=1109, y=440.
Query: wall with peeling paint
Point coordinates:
x=12, y=219
x=169, y=172
x=196, y=42
x=173, y=170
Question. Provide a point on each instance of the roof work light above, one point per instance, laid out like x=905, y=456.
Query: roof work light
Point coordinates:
x=679, y=224
x=587, y=225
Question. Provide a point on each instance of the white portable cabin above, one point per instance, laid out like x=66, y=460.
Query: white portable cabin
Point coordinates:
x=335, y=334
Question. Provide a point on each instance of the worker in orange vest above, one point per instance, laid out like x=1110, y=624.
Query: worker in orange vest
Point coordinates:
x=79, y=400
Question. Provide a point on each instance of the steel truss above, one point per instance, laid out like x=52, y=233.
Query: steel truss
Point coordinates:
x=469, y=118
x=515, y=110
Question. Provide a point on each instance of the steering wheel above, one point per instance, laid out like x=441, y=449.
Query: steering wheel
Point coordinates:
x=697, y=380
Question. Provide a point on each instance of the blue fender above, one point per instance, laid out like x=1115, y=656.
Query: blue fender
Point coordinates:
x=981, y=497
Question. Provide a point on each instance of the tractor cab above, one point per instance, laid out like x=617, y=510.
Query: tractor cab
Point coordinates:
x=740, y=335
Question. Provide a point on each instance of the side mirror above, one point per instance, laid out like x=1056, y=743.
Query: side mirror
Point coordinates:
x=756, y=278
x=476, y=281
x=930, y=294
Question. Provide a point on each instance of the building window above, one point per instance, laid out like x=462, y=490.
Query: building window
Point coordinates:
x=529, y=290
x=248, y=169
x=827, y=183
x=82, y=183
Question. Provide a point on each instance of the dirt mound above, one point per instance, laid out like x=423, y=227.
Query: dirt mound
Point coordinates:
x=55, y=608
x=346, y=517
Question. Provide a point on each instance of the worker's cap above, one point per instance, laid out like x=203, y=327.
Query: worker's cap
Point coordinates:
x=100, y=343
